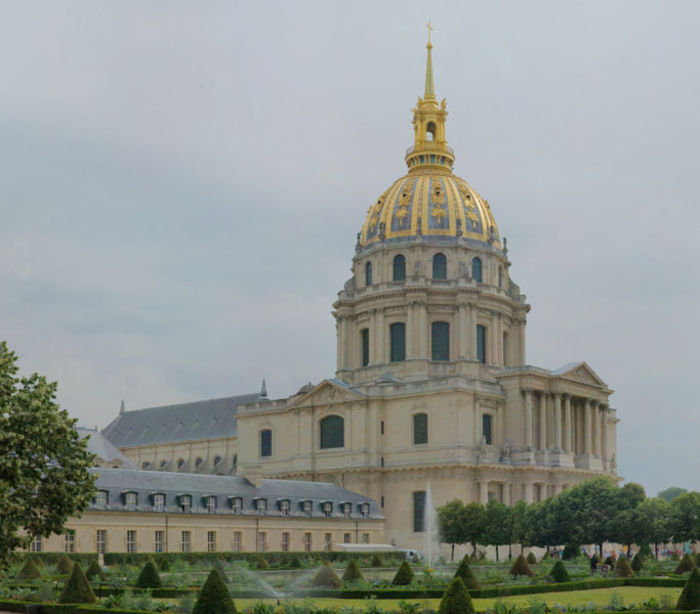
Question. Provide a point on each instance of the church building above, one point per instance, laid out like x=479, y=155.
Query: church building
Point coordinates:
x=432, y=398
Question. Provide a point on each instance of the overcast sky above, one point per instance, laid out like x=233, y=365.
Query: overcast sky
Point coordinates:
x=182, y=183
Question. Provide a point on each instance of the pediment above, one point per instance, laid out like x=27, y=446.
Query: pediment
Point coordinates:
x=326, y=392
x=580, y=372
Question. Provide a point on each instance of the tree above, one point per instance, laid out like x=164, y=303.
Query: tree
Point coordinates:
x=404, y=575
x=149, y=576
x=559, y=573
x=497, y=526
x=352, y=572
x=77, y=589
x=214, y=596
x=651, y=516
x=689, y=598
x=467, y=575
x=326, y=577
x=520, y=567
x=474, y=521
x=456, y=599
x=519, y=526
x=671, y=493
x=44, y=467
x=685, y=517
x=451, y=521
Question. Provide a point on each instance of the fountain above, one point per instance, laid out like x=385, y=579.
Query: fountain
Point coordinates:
x=430, y=525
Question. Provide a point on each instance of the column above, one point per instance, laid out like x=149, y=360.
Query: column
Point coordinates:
x=381, y=354
x=506, y=493
x=595, y=430
x=484, y=492
x=543, y=421
x=587, y=427
x=528, y=419
x=472, y=331
x=410, y=330
x=528, y=492
x=557, y=422
x=603, y=433
x=339, y=344
x=422, y=329
x=521, y=335
x=499, y=340
x=462, y=324
x=568, y=425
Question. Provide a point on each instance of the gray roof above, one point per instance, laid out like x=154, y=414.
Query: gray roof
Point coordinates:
x=99, y=445
x=117, y=482
x=181, y=422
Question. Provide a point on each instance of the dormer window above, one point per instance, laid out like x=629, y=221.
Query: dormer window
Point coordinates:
x=261, y=506
x=185, y=503
x=130, y=501
x=236, y=505
x=327, y=508
x=210, y=503
x=159, y=502
x=347, y=509
x=306, y=506
x=364, y=510
x=284, y=506
x=101, y=498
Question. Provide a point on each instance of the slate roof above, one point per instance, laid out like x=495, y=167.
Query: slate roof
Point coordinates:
x=117, y=482
x=101, y=446
x=181, y=422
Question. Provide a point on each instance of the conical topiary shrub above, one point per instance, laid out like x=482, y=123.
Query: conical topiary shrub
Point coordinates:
x=352, y=572
x=29, y=570
x=377, y=561
x=609, y=562
x=456, y=599
x=214, y=596
x=149, y=577
x=559, y=573
x=404, y=575
x=531, y=558
x=77, y=589
x=326, y=577
x=637, y=563
x=685, y=564
x=520, y=567
x=689, y=598
x=261, y=563
x=64, y=565
x=94, y=571
x=163, y=563
x=295, y=563
x=570, y=552
x=623, y=569
x=467, y=575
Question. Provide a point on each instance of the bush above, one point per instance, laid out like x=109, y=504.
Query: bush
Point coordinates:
x=685, y=564
x=559, y=573
x=531, y=558
x=64, y=565
x=377, y=561
x=93, y=570
x=214, y=597
x=456, y=599
x=262, y=563
x=164, y=563
x=520, y=567
x=326, y=576
x=352, y=572
x=623, y=569
x=149, y=577
x=609, y=562
x=697, y=559
x=28, y=571
x=570, y=552
x=637, y=563
x=404, y=575
x=77, y=589
x=295, y=563
x=690, y=596
x=467, y=575
x=645, y=550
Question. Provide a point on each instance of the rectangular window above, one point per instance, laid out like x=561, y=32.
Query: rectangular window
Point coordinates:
x=37, y=544
x=382, y=501
x=327, y=509
x=285, y=542
x=328, y=539
x=440, y=341
x=347, y=538
x=237, y=541
x=186, y=541
x=211, y=504
x=364, y=342
x=419, y=511
x=101, y=541
x=307, y=508
x=364, y=510
x=185, y=503
x=131, y=541
x=131, y=501
x=382, y=427
x=101, y=498
x=307, y=542
x=159, y=502
x=159, y=541
x=236, y=505
x=284, y=507
x=69, y=542
x=347, y=509
x=486, y=427
x=266, y=442
x=505, y=348
x=261, y=505
x=481, y=343
x=262, y=542
x=397, y=334
x=420, y=428
x=211, y=541
x=365, y=538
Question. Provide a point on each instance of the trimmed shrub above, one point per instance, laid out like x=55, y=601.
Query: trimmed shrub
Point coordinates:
x=64, y=565
x=214, y=596
x=404, y=575
x=623, y=569
x=520, y=567
x=262, y=563
x=637, y=562
x=377, y=561
x=352, y=572
x=456, y=599
x=531, y=558
x=685, y=564
x=28, y=571
x=93, y=570
x=645, y=550
x=149, y=577
x=326, y=577
x=559, y=573
x=571, y=551
x=609, y=562
x=690, y=595
x=164, y=563
x=467, y=575
x=295, y=563
x=77, y=589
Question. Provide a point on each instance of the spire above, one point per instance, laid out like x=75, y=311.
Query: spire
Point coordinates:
x=429, y=83
x=121, y=409
x=263, y=389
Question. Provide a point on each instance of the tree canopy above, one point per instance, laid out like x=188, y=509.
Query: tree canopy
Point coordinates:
x=44, y=477
x=671, y=493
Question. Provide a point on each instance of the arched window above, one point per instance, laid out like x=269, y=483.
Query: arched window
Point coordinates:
x=439, y=266
x=332, y=432
x=476, y=270
x=420, y=428
x=430, y=131
x=500, y=276
x=234, y=466
x=266, y=442
x=198, y=462
x=181, y=463
x=481, y=343
x=368, y=273
x=399, y=268
x=364, y=343
x=397, y=334
x=440, y=341
x=163, y=464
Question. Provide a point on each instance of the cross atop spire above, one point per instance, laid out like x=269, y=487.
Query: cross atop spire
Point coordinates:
x=429, y=83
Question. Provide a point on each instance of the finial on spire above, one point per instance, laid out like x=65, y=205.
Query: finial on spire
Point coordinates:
x=121, y=409
x=429, y=84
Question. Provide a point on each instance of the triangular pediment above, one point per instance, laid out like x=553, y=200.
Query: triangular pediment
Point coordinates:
x=326, y=392
x=580, y=372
